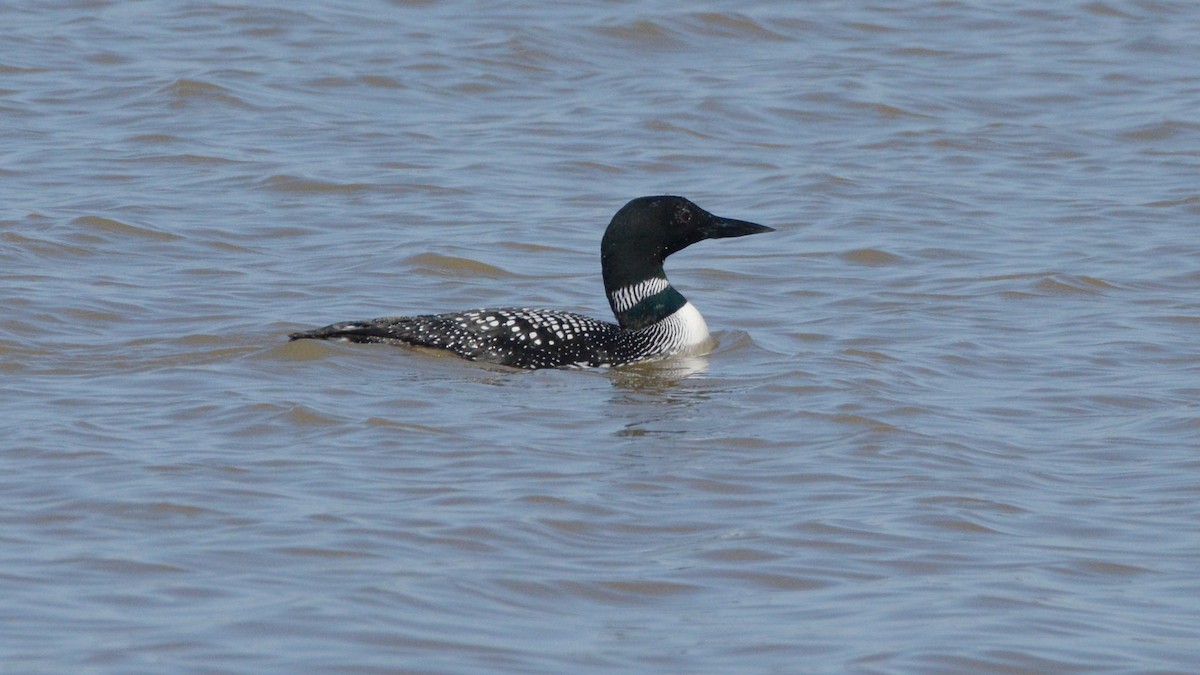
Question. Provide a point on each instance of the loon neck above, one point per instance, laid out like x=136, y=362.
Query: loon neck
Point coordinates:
x=644, y=302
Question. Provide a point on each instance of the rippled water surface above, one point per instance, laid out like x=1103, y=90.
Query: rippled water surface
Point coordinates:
x=952, y=424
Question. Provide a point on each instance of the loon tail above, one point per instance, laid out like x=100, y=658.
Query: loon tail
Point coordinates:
x=357, y=331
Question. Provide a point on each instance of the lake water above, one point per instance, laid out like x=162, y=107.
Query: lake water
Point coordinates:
x=952, y=423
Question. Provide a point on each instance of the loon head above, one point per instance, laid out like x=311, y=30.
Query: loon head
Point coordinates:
x=640, y=237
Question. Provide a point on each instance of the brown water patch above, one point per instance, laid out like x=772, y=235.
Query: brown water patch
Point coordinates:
x=870, y=256
x=448, y=265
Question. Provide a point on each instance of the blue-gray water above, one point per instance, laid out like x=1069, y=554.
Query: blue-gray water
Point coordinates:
x=953, y=422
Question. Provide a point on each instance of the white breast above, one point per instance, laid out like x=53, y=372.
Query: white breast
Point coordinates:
x=688, y=328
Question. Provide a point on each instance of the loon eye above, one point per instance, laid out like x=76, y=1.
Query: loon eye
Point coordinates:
x=685, y=216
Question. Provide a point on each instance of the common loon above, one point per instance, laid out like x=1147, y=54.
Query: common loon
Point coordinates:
x=653, y=319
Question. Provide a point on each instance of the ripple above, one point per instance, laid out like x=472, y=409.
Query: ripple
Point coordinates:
x=1066, y=284
x=185, y=93
x=773, y=581
x=734, y=25
x=626, y=591
x=297, y=185
x=121, y=566
x=315, y=552
x=110, y=226
x=644, y=34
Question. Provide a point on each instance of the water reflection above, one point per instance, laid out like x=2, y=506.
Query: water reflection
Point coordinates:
x=660, y=398
x=659, y=376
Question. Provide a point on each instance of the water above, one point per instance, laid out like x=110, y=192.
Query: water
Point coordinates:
x=953, y=422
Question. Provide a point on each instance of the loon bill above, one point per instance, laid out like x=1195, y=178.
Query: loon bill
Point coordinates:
x=653, y=319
